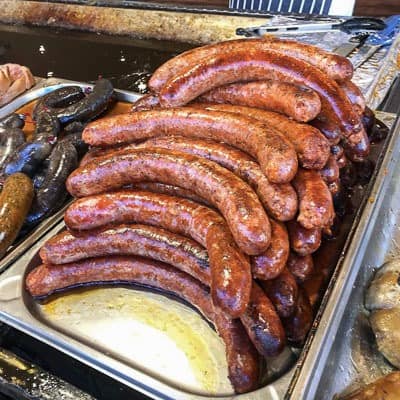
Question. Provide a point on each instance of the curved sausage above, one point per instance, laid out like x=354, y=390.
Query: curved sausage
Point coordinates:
x=236, y=200
x=13, y=120
x=247, y=65
x=368, y=120
x=330, y=172
x=243, y=361
x=311, y=146
x=303, y=241
x=15, y=201
x=337, y=151
x=271, y=263
x=283, y=292
x=311, y=54
x=315, y=200
x=301, y=267
x=355, y=95
x=298, y=102
x=10, y=140
x=147, y=102
x=328, y=128
x=357, y=146
x=180, y=216
x=273, y=151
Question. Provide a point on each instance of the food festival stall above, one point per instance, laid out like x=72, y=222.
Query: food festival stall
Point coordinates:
x=195, y=203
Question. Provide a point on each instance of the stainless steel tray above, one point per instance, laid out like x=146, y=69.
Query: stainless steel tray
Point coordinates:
x=43, y=87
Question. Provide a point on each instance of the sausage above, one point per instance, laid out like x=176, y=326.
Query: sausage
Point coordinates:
x=147, y=102
x=10, y=140
x=271, y=263
x=342, y=161
x=303, y=241
x=247, y=65
x=311, y=54
x=267, y=333
x=328, y=128
x=298, y=102
x=75, y=138
x=283, y=292
x=315, y=201
x=355, y=95
x=337, y=151
x=13, y=120
x=51, y=194
x=274, y=152
x=243, y=361
x=357, y=146
x=368, y=119
x=280, y=200
x=299, y=323
x=330, y=172
x=311, y=146
x=15, y=201
x=180, y=216
x=300, y=266
x=335, y=187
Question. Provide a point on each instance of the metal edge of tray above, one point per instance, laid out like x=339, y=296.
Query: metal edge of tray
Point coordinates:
x=336, y=297
x=43, y=87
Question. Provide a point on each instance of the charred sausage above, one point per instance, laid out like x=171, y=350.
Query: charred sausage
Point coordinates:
x=300, y=266
x=303, y=241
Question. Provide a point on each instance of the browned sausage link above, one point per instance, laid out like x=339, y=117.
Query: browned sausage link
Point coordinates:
x=337, y=151
x=303, y=241
x=357, y=146
x=298, y=102
x=342, y=161
x=315, y=200
x=328, y=128
x=141, y=240
x=179, y=216
x=245, y=65
x=273, y=151
x=235, y=199
x=330, y=173
x=47, y=279
x=311, y=146
x=267, y=333
x=280, y=200
x=355, y=95
x=300, y=266
x=147, y=102
x=299, y=323
x=271, y=263
x=313, y=287
x=310, y=54
x=335, y=187
x=283, y=292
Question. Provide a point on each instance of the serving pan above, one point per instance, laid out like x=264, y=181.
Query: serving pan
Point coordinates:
x=43, y=87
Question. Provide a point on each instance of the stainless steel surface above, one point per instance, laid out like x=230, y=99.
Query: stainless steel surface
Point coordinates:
x=342, y=353
x=44, y=86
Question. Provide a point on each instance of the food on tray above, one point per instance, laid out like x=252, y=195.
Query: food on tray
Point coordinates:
x=14, y=80
x=383, y=300
x=262, y=184
x=385, y=388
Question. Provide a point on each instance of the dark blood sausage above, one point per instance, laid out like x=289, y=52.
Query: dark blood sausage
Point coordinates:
x=267, y=332
x=147, y=102
x=271, y=263
x=315, y=201
x=52, y=193
x=13, y=120
x=303, y=241
x=330, y=172
x=280, y=200
x=311, y=146
x=299, y=323
x=10, y=140
x=338, y=68
x=15, y=201
x=75, y=138
x=235, y=199
x=228, y=265
x=298, y=102
x=328, y=128
x=357, y=146
x=301, y=267
x=283, y=292
x=248, y=65
x=243, y=360
x=141, y=240
x=275, y=154
x=355, y=95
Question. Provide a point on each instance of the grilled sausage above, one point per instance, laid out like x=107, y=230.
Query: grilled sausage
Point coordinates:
x=303, y=241
x=337, y=151
x=315, y=200
x=10, y=140
x=274, y=152
x=245, y=65
x=298, y=102
x=271, y=263
x=328, y=128
x=283, y=292
x=357, y=146
x=330, y=172
x=355, y=95
x=338, y=68
x=180, y=216
x=15, y=201
x=147, y=102
x=243, y=361
x=301, y=267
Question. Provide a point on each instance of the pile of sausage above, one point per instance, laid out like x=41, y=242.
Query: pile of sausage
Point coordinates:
x=33, y=172
x=217, y=187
